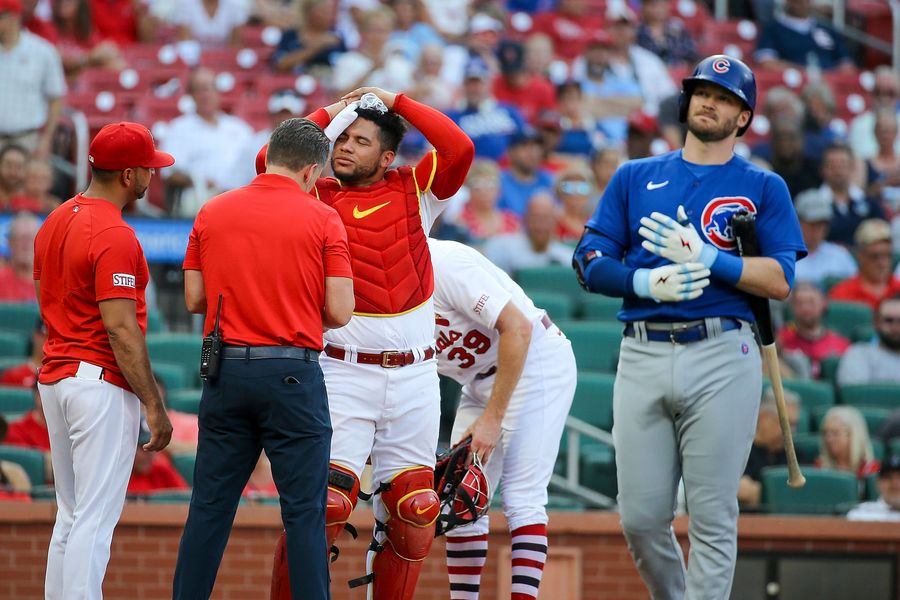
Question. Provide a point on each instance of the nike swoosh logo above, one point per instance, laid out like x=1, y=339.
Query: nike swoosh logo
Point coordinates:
x=422, y=511
x=655, y=186
x=362, y=214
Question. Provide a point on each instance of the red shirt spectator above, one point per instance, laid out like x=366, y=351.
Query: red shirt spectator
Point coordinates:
x=154, y=472
x=509, y=223
x=269, y=309
x=119, y=20
x=818, y=349
x=530, y=93
x=24, y=375
x=569, y=30
x=40, y=27
x=852, y=290
x=29, y=431
x=14, y=288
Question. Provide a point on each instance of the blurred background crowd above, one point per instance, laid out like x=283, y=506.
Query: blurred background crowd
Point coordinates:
x=555, y=94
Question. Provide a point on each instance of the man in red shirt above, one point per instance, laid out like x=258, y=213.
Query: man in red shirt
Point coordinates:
x=30, y=431
x=90, y=274
x=380, y=369
x=874, y=282
x=16, y=284
x=530, y=93
x=277, y=259
x=806, y=333
x=152, y=471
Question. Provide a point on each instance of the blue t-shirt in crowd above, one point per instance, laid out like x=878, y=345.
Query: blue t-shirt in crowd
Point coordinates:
x=490, y=126
x=515, y=194
x=779, y=40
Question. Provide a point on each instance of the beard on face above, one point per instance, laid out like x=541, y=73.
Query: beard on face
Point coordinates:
x=714, y=132
x=358, y=173
x=890, y=342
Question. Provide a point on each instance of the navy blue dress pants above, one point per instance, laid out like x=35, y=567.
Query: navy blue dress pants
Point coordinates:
x=279, y=405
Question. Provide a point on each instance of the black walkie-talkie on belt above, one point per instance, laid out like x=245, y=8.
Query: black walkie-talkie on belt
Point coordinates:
x=211, y=351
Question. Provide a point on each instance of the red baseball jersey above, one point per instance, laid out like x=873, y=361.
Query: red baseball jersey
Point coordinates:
x=267, y=248
x=86, y=253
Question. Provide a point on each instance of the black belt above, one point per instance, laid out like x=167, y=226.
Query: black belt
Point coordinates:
x=681, y=333
x=261, y=352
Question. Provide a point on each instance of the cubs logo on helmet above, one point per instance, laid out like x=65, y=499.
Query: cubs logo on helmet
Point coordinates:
x=716, y=219
x=721, y=65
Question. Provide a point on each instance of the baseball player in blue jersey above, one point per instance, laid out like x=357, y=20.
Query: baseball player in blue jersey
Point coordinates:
x=688, y=383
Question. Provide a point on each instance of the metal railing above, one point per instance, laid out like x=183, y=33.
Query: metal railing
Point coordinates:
x=571, y=483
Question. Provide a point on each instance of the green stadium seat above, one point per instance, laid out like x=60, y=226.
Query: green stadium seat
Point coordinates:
x=20, y=317
x=14, y=344
x=43, y=493
x=15, y=400
x=894, y=445
x=804, y=421
x=168, y=497
x=807, y=444
x=155, y=322
x=873, y=415
x=31, y=460
x=559, y=279
x=558, y=306
x=885, y=395
x=186, y=401
x=878, y=449
x=596, y=307
x=597, y=465
x=829, y=366
x=812, y=393
x=595, y=343
x=179, y=348
x=564, y=502
x=173, y=375
x=846, y=317
x=872, y=492
x=593, y=399
x=7, y=362
x=184, y=464
x=826, y=492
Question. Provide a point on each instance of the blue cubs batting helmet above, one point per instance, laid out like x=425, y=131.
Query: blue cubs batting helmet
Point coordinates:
x=727, y=72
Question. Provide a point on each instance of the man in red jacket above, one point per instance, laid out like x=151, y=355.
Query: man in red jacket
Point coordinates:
x=380, y=369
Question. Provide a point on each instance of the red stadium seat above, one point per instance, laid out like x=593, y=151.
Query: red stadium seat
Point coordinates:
x=733, y=37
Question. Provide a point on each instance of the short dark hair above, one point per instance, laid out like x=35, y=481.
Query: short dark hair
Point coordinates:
x=390, y=126
x=103, y=175
x=839, y=146
x=296, y=143
x=14, y=148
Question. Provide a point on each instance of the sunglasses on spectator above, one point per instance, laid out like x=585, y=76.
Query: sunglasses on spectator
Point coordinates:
x=890, y=320
x=884, y=92
x=581, y=188
x=878, y=255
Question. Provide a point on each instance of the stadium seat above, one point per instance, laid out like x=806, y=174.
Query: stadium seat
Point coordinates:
x=559, y=279
x=828, y=370
x=595, y=343
x=812, y=393
x=878, y=449
x=186, y=401
x=558, y=306
x=564, y=502
x=597, y=465
x=593, y=401
x=807, y=444
x=873, y=415
x=13, y=344
x=173, y=375
x=43, y=493
x=885, y=395
x=179, y=348
x=826, y=492
x=872, y=487
x=31, y=460
x=596, y=307
x=10, y=361
x=155, y=322
x=15, y=400
x=18, y=317
x=168, y=497
x=847, y=317
x=184, y=464
x=804, y=421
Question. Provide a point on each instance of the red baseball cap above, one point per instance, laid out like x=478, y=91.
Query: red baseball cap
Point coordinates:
x=261, y=160
x=642, y=122
x=14, y=6
x=120, y=146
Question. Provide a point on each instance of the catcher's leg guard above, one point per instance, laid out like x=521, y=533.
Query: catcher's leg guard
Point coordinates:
x=343, y=492
x=413, y=507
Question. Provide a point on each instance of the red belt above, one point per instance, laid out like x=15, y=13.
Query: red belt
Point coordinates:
x=389, y=359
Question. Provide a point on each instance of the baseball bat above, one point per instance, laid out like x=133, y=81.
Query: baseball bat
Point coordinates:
x=743, y=226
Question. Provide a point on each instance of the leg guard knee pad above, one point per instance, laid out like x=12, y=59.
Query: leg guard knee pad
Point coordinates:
x=343, y=493
x=413, y=507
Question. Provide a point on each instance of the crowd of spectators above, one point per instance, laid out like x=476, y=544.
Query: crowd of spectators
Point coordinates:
x=555, y=94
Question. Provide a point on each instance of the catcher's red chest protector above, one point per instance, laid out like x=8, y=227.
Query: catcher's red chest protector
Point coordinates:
x=389, y=255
